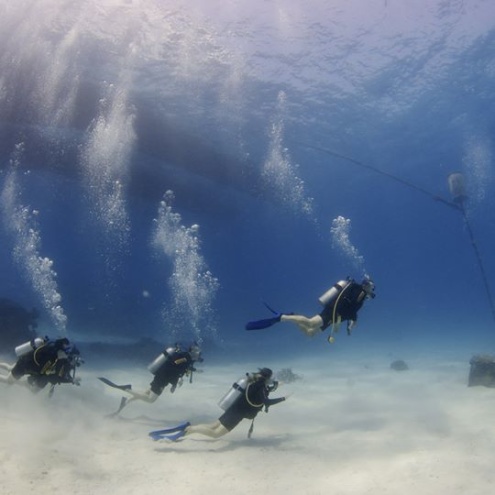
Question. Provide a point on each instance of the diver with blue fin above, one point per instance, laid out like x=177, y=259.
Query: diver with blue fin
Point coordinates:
x=340, y=303
x=247, y=397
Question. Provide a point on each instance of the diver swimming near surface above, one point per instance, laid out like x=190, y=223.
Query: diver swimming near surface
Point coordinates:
x=168, y=369
x=340, y=303
x=45, y=362
x=247, y=397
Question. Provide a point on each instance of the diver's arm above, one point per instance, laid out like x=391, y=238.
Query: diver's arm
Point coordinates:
x=62, y=372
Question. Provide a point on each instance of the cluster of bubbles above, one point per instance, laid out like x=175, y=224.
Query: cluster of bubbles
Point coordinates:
x=105, y=159
x=341, y=241
x=278, y=170
x=21, y=223
x=193, y=286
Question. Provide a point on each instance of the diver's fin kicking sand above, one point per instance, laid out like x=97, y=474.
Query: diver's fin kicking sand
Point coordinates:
x=123, y=403
x=174, y=436
x=172, y=433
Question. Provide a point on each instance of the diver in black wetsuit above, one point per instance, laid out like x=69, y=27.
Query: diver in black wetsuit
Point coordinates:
x=245, y=400
x=169, y=368
x=340, y=303
x=52, y=362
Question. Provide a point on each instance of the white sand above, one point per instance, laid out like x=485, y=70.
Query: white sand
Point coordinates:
x=349, y=427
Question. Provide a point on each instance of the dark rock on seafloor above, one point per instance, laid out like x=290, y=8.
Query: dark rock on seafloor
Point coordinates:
x=482, y=371
x=399, y=365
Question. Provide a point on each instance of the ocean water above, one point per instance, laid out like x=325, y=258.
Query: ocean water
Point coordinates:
x=168, y=166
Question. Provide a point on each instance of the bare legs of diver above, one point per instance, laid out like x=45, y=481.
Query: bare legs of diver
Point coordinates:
x=147, y=396
x=212, y=430
x=6, y=366
x=9, y=379
x=308, y=326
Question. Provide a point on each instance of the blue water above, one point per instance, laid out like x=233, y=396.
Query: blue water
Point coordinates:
x=105, y=106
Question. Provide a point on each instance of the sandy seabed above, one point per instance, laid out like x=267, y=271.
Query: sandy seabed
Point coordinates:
x=350, y=426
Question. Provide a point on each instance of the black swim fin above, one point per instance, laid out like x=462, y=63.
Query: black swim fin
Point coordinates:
x=106, y=381
x=123, y=403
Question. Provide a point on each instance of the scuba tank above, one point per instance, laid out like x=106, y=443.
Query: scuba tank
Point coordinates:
x=238, y=390
x=160, y=360
x=331, y=294
x=28, y=346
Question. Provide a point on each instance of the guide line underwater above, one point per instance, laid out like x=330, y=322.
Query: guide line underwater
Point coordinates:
x=457, y=190
x=411, y=185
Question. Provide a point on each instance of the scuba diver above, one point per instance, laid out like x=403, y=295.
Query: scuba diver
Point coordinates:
x=45, y=362
x=340, y=303
x=244, y=400
x=168, y=369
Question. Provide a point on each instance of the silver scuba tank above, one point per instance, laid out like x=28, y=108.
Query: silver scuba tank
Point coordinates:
x=331, y=294
x=160, y=360
x=238, y=390
x=28, y=346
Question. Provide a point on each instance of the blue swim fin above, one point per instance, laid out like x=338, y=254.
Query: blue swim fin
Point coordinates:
x=260, y=324
x=174, y=436
x=267, y=322
x=167, y=432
